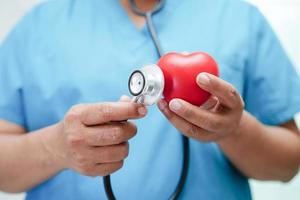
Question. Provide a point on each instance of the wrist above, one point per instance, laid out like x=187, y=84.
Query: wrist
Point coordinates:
x=247, y=124
x=52, y=143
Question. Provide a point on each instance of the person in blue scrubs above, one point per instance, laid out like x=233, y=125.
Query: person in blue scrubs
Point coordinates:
x=65, y=65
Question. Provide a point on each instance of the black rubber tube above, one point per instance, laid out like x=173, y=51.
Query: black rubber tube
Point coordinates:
x=185, y=141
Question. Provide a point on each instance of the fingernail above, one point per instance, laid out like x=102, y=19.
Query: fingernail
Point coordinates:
x=162, y=105
x=142, y=110
x=124, y=98
x=203, y=79
x=175, y=105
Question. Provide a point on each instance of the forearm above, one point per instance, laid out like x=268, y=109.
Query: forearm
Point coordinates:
x=26, y=161
x=263, y=152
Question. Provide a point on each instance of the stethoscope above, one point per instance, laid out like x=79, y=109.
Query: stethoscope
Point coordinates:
x=146, y=85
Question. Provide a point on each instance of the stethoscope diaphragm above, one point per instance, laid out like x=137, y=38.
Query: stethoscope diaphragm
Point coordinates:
x=146, y=84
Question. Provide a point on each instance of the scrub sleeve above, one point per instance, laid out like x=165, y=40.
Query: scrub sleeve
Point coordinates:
x=12, y=62
x=272, y=86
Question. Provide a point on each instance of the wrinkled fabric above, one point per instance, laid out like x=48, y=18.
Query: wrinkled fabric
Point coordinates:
x=66, y=52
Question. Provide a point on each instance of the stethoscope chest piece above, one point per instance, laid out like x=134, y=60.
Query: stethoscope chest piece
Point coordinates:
x=147, y=84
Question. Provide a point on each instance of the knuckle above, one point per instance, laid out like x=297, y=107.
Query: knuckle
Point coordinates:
x=215, y=124
x=70, y=117
x=132, y=127
x=117, y=166
x=116, y=134
x=232, y=90
x=117, y=152
x=81, y=160
x=86, y=170
x=206, y=122
x=77, y=109
x=107, y=169
x=100, y=138
x=192, y=130
x=124, y=150
x=189, y=113
x=241, y=104
x=74, y=113
x=103, y=173
x=234, y=94
x=120, y=164
x=170, y=116
x=95, y=173
x=106, y=111
x=104, y=153
x=74, y=140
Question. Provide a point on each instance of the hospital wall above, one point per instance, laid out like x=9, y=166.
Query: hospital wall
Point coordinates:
x=284, y=16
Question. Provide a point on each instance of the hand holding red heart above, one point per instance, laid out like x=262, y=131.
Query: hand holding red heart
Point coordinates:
x=192, y=78
x=218, y=118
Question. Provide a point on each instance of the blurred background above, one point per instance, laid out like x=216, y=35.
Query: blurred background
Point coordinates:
x=283, y=15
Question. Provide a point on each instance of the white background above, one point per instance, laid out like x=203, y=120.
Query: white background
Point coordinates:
x=284, y=15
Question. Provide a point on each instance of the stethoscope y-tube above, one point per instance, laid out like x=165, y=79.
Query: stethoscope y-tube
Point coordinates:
x=146, y=85
x=150, y=25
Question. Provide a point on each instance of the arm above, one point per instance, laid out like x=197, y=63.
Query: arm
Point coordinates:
x=264, y=152
x=25, y=160
x=84, y=141
x=258, y=151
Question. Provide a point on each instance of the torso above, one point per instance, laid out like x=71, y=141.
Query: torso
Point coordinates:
x=87, y=55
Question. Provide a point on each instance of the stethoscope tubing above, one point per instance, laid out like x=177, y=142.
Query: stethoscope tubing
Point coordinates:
x=185, y=141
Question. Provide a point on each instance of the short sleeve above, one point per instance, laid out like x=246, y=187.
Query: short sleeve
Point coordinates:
x=272, y=86
x=12, y=53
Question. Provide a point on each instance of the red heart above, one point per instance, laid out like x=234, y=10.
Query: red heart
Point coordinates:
x=180, y=72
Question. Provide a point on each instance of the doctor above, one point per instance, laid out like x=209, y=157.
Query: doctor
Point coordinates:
x=65, y=64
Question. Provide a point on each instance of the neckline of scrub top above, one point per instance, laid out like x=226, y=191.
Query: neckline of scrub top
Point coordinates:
x=129, y=30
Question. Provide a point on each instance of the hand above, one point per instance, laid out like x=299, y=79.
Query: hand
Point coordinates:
x=93, y=138
x=218, y=118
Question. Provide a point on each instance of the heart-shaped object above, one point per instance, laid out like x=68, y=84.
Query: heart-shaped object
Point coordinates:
x=180, y=73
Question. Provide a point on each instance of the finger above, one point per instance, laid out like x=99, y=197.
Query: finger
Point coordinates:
x=125, y=98
x=197, y=116
x=110, y=134
x=210, y=103
x=105, y=169
x=95, y=114
x=225, y=92
x=185, y=127
x=109, y=154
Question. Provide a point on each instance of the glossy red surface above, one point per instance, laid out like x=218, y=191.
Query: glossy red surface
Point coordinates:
x=180, y=72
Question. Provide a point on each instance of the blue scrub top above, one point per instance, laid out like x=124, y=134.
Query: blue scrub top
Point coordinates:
x=67, y=52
